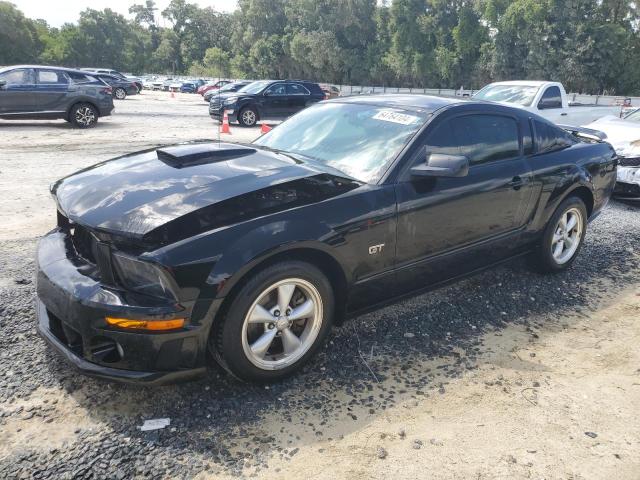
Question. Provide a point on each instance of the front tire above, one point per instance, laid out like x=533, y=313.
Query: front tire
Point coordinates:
x=120, y=93
x=563, y=237
x=248, y=117
x=83, y=115
x=276, y=323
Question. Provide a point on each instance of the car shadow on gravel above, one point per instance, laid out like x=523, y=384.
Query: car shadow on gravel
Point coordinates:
x=28, y=125
x=401, y=354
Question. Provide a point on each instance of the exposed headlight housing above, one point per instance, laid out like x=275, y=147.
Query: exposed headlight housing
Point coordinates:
x=144, y=277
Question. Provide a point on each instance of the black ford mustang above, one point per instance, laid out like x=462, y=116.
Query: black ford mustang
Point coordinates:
x=250, y=253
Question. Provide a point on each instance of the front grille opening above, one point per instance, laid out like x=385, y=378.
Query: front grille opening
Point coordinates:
x=67, y=335
x=105, y=350
x=84, y=243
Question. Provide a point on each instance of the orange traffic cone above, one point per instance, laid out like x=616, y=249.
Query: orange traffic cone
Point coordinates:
x=172, y=94
x=265, y=128
x=225, y=123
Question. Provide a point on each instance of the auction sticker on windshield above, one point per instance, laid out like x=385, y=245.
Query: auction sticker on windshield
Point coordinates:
x=395, y=117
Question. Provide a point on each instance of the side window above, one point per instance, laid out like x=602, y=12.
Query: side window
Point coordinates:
x=52, y=77
x=550, y=138
x=20, y=76
x=277, y=89
x=551, y=98
x=80, y=77
x=296, y=89
x=482, y=138
x=107, y=79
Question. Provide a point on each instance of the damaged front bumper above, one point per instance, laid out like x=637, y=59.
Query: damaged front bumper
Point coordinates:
x=72, y=306
x=628, y=179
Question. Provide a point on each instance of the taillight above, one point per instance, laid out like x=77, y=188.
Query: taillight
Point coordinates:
x=107, y=91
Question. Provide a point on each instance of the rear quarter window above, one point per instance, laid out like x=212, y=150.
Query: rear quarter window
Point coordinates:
x=314, y=88
x=77, y=77
x=549, y=138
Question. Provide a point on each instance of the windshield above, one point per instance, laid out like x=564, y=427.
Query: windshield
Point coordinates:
x=518, y=94
x=359, y=140
x=633, y=116
x=255, y=87
x=227, y=87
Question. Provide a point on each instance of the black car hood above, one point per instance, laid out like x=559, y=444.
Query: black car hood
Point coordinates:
x=173, y=192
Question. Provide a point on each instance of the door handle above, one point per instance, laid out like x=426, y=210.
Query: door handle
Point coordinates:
x=516, y=182
x=564, y=114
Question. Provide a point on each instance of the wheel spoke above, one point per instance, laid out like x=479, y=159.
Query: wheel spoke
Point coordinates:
x=262, y=344
x=290, y=342
x=568, y=243
x=302, y=311
x=285, y=292
x=556, y=237
x=557, y=250
x=563, y=222
x=260, y=315
x=573, y=221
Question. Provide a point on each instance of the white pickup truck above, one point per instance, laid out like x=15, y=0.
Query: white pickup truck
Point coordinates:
x=547, y=99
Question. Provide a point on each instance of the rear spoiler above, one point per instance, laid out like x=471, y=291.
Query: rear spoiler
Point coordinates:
x=586, y=133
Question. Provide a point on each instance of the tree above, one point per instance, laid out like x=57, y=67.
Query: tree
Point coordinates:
x=19, y=41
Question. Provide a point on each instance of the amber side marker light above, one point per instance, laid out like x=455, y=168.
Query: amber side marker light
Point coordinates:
x=153, y=325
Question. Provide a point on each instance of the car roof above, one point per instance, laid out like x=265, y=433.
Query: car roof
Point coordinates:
x=421, y=102
x=48, y=67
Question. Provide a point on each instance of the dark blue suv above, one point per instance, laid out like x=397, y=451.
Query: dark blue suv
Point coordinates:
x=37, y=92
x=265, y=100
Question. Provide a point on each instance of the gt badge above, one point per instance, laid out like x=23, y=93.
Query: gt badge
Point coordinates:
x=375, y=249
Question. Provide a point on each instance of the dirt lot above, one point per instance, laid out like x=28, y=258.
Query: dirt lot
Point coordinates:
x=508, y=374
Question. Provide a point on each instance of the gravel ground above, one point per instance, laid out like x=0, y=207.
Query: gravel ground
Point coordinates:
x=508, y=374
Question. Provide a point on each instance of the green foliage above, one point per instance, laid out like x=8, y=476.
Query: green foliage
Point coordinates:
x=590, y=45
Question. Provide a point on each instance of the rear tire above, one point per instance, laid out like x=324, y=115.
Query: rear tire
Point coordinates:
x=83, y=115
x=248, y=117
x=120, y=93
x=258, y=342
x=563, y=237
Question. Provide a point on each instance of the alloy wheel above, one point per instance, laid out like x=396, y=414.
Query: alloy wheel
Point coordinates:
x=282, y=324
x=85, y=116
x=249, y=117
x=566, y=236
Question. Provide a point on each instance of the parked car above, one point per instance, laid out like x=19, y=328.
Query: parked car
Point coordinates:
x=624, y=135
x=212, y=86
x=166, y=84
x=157, y=84
x=147, y=83
x=121, y=87
x=547, y=99
x=342, y=208
x=41, y=92
x=188, y=87
x=225, y=89
x=108, y=71
x=175, y=86
x=266, y=100
x=330, y=91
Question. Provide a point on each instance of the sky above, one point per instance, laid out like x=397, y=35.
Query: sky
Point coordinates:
x=58, y=12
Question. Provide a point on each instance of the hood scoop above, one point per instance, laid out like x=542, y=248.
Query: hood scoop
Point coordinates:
x=189, y=155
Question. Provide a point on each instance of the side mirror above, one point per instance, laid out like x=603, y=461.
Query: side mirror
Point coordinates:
x=547, y=104
x=267, y=94
x=442, y=165
x=3, y=83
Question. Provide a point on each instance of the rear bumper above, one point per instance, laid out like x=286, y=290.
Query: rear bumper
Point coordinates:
x=72, y=306
x=105, y=106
